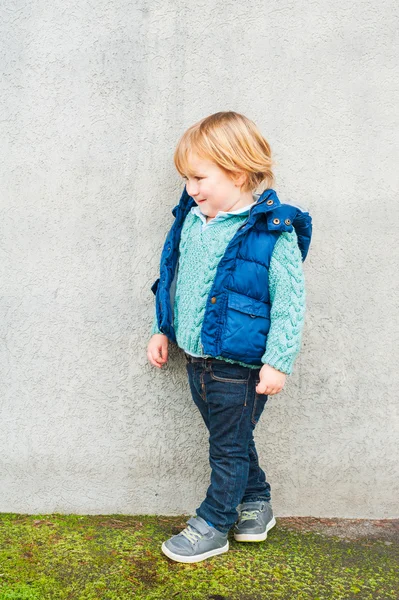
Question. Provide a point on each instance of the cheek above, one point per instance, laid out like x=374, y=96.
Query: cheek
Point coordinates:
x=206, y=189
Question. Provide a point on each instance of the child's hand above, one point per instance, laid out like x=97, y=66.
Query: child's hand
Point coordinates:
x=157, y=350
x=271, y=381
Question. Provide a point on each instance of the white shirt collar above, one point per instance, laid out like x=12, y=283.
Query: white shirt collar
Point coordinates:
x=221, y=215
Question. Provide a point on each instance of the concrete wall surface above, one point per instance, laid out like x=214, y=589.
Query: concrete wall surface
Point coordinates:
x=94, y=97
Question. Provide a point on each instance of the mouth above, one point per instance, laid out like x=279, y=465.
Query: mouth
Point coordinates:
x=203, y=200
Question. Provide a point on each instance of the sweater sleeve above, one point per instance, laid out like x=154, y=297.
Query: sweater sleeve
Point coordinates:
x=288, y=304
x=154, y=328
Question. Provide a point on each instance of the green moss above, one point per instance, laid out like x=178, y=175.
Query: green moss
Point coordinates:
x=117, y=557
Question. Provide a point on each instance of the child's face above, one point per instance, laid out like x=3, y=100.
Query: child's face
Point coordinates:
x=211, y=187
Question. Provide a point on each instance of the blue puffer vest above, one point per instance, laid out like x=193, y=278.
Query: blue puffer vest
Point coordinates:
x=237, y=314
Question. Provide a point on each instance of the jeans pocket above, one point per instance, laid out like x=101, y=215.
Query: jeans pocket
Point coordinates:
x=229, y=373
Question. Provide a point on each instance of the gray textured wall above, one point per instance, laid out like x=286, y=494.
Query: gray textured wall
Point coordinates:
x=93, y=100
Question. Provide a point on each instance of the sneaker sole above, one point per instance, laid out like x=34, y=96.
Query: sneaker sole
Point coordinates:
x=193, y=559
x=254, y=537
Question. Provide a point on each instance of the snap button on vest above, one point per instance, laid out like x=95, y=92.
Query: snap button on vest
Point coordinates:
x=276, y=221
x=269, y=202
x=213, y=300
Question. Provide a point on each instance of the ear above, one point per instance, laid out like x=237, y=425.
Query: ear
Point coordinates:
x=239, y=178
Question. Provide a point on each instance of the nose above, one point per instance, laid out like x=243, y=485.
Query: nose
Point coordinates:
x=192, y=189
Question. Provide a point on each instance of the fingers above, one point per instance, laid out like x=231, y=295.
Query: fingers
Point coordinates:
x=273, y=391
x=153, y=361
x=268, y=390
x=156, y=359
x=158, y=355
x=164, y=351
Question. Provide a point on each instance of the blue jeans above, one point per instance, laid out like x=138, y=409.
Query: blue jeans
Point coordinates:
x=226, y=398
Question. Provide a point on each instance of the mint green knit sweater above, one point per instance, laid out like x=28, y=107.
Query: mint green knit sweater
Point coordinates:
x=200, y=250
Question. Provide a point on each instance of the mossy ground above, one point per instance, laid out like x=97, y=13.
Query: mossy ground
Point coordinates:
x=116, y=557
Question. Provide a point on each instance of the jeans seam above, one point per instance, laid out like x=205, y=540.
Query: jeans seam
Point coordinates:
x=231, y=491
x=246, y=394
x=203, y=387
x=255, y=403
x=254, y=409
x=256, y=462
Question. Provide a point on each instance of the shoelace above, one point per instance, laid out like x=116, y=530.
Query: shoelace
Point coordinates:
x=191, y=534
x=249, y=514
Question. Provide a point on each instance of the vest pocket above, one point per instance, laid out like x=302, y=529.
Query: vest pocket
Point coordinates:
x=247, y=323
x=245, y=304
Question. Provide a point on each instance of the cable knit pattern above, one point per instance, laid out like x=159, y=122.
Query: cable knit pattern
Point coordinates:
x=288, y=299
x=199, y=254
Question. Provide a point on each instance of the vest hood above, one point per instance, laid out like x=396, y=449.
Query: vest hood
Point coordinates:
x=279, y=217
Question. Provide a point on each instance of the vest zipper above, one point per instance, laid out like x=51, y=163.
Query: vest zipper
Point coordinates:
x=249, y=214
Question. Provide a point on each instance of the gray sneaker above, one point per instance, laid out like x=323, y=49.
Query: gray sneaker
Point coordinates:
x=196, y=542
x=254, y=521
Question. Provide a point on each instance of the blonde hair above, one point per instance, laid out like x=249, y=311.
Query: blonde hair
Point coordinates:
x=233, y=142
